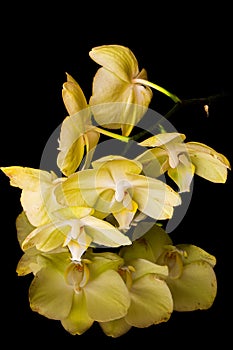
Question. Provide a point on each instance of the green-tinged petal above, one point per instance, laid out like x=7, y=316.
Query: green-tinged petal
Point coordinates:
x=49, y=295
x=115, y=328
x=73, y=96
x=117, y=59
x=23, y=227
x=162, y=139
x=149, y=247
x=143, y=267
x=154, y=162
x=194, y=253
x=182, y=174
x=208, y=163
x=151, y=302
x=195, y=289
x=101, y=262
x=28, y=263
x=154, y=198
x=104, y=233
x=78, y=320
x=107, y=297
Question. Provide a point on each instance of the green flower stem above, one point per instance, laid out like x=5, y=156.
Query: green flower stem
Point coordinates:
x=159, y=88
x=112, y=134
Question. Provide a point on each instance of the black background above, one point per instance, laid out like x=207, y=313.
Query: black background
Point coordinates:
x=186, y=50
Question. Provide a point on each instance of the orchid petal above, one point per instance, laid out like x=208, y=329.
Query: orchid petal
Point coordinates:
x=208, y=163
x=104, y=233
x=195, y=289
x=73, y=96
x=154, y=198
x=78, y=320
x=182, y=174
x=107, y=297
x=115, y=328
x=49, y=295
x=151, y=302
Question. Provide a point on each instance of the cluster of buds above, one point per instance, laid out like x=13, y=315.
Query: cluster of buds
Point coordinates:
x=93, y=237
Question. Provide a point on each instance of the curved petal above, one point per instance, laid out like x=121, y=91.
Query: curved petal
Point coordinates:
x=117, y=59
x=208, y=163
x=149, y=247
x=194, y=253
x=115, y=328
x=195, y=289
x=182, y=174
x=154, y=162
x=78, y=320
x=28, y=178
x=23, y=227
x=162, y=139
x=104, y=233
x=154, y=198
x=73, y=96
x=107, y=297
x=49, y=295
x=47, y=237
x=151, y=302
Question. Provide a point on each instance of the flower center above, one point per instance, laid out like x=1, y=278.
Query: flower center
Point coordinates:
x=126, y=274
x=122, y=193
x=77, y=275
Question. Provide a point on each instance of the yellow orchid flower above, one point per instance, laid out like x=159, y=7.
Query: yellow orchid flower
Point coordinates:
x=79, y=293
x=75, y=228
x=77, y=131
x=191, y=278
x=181, y=160
x=115, y=185
x=150, y=298
x=118, y=100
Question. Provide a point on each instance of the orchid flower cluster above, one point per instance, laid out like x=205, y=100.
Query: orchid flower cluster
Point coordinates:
x=85, y=237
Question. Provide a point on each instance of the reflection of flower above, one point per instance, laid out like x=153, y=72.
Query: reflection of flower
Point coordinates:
x=121, y=100
x=191, y=277
x=181, y=160
x=150, y=298
x=79, y=293
x=115, y=185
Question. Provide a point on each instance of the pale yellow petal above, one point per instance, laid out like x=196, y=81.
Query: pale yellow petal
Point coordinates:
x=117, y=59
x=73, y=96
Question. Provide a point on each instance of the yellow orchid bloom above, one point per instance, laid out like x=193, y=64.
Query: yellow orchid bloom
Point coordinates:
x=79, y=293
x=77, y=131
x=115, y=185
x=191, y=278
x=118, y=100
x=181, y=160
x=75, y=228
x=150, y=298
